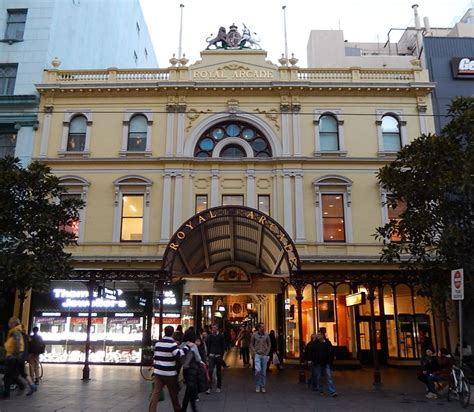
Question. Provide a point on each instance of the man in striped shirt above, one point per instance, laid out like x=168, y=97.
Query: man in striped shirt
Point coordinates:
x=164, y=369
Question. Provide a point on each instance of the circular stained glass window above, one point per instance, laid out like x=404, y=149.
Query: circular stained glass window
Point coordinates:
x=232, y=130
x=206, y=144
x=259, y=144
x=248, y=134
x=218, y=133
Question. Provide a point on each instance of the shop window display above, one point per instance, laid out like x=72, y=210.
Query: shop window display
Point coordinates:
x=345, y=324
x=326, y=311
x=392, y=331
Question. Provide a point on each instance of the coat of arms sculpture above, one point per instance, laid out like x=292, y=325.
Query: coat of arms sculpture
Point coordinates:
x=233, y=39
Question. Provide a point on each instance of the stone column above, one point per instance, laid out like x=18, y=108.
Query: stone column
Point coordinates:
x=287, y=204
x=48, y=110
x=169, y=132
x=165, y=211
x=215, y=188
x=296, y=130
x=180, y=137
x=178, y=201
x=285, y=129
x=299, y=207
x=251, y=188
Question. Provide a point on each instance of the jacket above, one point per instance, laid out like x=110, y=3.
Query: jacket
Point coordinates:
x=14, y=344
x=445, y=366
x=260, y=343
x=215, y=344
x=321, y=353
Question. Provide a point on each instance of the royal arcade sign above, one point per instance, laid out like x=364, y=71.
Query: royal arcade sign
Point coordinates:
x=194, y=223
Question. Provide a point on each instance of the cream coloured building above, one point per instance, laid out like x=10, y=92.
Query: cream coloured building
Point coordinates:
x=237, y=176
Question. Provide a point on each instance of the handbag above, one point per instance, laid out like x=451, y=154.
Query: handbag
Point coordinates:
x=276, y=359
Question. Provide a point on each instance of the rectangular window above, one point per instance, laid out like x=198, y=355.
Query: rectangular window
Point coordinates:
x=73, y=225
x=16, y=21
x=7, y=78
x=7, y=141
x=333, y=218
x=264, y=204
x=394, y=216
x=132, y=218
x=201, y=203
x=232, y=200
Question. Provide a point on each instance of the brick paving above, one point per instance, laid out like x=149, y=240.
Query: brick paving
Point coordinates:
x=121, y=388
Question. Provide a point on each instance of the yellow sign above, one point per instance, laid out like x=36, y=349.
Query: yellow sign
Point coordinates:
x=355, y=299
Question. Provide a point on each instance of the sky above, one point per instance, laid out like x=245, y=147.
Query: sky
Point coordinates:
x=361, y=21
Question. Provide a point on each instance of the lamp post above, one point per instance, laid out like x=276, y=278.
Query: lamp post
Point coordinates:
x=86, y=369
x=373, y=337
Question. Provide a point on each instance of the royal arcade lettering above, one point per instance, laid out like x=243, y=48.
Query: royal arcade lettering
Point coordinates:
x=260, y=218
x=224, y=74
x=463, y=67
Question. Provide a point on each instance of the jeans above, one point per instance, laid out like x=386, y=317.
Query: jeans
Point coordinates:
x=324, y=371
x=245, y=355
x=260, y=369
x=215, y=361
x=431, y=382
x=13, y=374
x=33, y=362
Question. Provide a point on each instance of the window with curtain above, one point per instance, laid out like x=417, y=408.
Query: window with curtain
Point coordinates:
x=76, y=139
x=201, y=203
x=264, y=204
x=333, y=218
x=137, y=134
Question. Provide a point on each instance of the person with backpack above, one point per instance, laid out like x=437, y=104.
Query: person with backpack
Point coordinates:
x=16, y=349
x=36, y=347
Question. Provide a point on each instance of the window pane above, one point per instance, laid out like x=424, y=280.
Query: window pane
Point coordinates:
x=264, y=204
x=394, y=216
x=333, y=218
x=132, y=218
x=201, y=203
x=391, y=142
x=7, y=143
x=78, y=125
x=76, y=142
x=7, y=78
x=15, y=24
x=328, y=124
x=233, y=151
x=390, y=125
x=328, y=141
x=139, y=124
x=235, y=200
x=132, y=206
x=136, y=142
x=73, y=225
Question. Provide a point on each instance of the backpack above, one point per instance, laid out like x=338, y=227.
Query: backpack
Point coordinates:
x=36, y=345
x=24, y=354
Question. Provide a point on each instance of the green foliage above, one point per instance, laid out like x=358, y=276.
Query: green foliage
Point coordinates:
x=32, y=222
x=434, y=176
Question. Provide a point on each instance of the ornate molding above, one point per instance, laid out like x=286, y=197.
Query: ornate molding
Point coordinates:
x=271, y=114
x=192, y=115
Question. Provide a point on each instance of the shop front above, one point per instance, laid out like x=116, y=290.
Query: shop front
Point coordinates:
x=118, y=324
x=403, y=322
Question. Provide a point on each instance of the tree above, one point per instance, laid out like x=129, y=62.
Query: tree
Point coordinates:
x=34, y=222
x=434, y=177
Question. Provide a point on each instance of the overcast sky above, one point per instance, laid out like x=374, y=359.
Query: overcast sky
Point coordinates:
x=361, y=20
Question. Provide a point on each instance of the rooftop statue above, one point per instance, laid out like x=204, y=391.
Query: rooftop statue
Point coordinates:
x=233, y=39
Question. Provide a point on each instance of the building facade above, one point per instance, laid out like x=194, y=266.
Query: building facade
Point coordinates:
x=252, y=184
x=35, y=35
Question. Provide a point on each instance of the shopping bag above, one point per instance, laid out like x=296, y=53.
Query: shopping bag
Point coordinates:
x=276, y=359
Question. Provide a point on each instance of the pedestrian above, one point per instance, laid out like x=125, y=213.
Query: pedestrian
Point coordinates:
x=36, y=347
x=445, y=363
x=194, y=379
x=429, y=365
x=178, y=334
x=260, y=347
x=310, y=358
x=273, y=350
x=164, y=369
x=15, y=357
x=244, y=339
x=215, y=349
x=322, y=360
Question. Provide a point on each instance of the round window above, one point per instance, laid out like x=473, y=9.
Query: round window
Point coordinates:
x=248, y=134
x=218, y=133
x=206, y=144
x=232, y=130
x=259, y=144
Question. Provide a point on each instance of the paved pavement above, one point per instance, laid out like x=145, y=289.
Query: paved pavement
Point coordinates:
x=121, y=388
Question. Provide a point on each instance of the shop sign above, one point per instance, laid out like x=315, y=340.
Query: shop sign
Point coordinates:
x=355, y=299
x=207, y=302
x=457, y=284
x=463, y=67
x=80, y=299
x=234, y=72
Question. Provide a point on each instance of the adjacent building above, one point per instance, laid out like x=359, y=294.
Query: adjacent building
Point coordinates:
x=36, y=35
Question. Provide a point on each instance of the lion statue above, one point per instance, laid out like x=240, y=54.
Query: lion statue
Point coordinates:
x=248, y=40
x=220, y=38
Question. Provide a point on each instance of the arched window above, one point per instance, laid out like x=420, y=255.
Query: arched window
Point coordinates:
x=328, y=133
x=233, y=151
x=391, y=135
x=76, y=139
x=249, y=135
x=137, y=133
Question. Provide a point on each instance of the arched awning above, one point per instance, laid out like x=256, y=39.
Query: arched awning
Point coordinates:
x=231, y=235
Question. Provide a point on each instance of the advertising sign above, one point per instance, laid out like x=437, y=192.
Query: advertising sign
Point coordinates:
x=457, y=284
x=355, y=299
x=463, y=67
